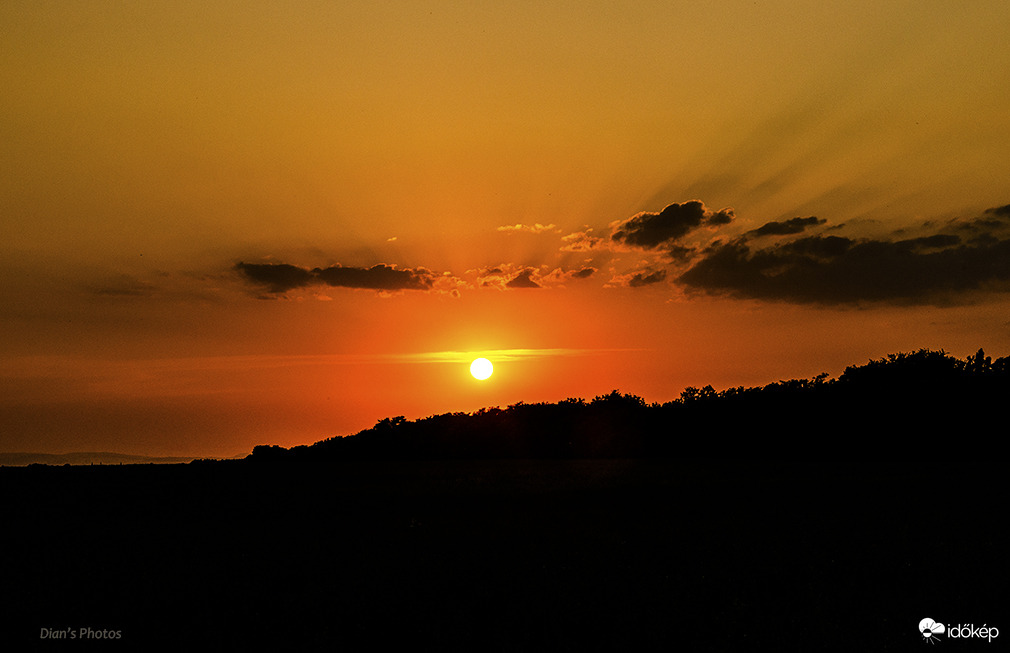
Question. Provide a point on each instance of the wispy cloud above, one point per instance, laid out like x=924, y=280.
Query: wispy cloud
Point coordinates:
x=512, y=277
x=155, y=375
x=499, y=355
x=582, y=241
x=530, y=228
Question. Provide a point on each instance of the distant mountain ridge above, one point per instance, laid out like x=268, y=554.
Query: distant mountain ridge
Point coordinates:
x=21, y=459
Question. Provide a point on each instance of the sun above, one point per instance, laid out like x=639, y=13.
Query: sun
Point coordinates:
x=481, y=369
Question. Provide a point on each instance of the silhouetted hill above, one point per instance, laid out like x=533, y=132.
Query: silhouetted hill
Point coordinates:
x=906, y=406
x=849, y=544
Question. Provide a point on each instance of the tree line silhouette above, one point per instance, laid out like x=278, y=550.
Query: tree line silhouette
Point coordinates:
x=922, y=405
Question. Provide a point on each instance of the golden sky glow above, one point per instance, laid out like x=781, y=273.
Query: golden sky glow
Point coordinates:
x=230, y=224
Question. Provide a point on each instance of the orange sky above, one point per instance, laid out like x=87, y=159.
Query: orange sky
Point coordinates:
x=195, y=199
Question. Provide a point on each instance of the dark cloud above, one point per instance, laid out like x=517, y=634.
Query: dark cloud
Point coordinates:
x=125, y=286
x=277, y=277
x=651, y=230
x=802, y=261
x=993, y=222
x=377, y=277
x=936, y=241
x=681, y=254
x=787, y=228
x=835, y=270
x=559, y=276
x=640, y=279
x=931, y=263
x=819, y=247
x=282, y=277
x=523, y=280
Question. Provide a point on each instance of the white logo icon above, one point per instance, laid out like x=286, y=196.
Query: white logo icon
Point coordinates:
x=930, y=629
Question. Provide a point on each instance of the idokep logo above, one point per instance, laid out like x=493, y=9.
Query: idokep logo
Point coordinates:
x=931, y=631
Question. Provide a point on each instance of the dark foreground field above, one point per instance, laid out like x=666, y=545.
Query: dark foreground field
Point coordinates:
x=617, y=555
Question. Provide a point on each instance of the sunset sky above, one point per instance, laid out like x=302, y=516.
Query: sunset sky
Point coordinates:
x=236, y=223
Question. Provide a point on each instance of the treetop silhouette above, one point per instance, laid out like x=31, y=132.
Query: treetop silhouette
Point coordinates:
x=905, y=405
